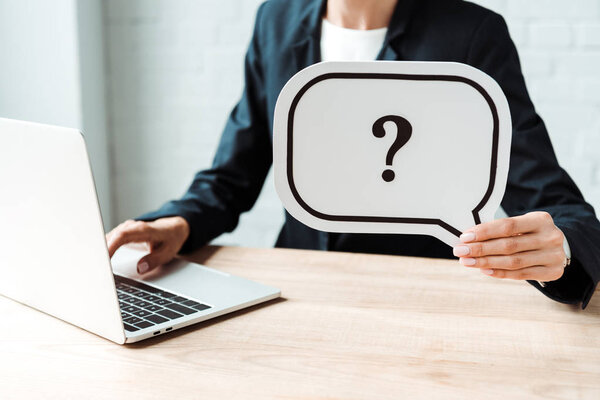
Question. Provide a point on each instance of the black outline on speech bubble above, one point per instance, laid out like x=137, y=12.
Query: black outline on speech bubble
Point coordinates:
x=404, y=220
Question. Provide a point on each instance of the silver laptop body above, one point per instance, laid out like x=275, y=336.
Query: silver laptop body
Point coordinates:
x=54, y=256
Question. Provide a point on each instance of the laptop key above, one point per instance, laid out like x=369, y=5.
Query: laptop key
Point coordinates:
x=124, y=315
x=169, y=314
x=162, y=302
x=201, y=307
x=142, y=303
x=143, y=295
x=130, y=309
x=164, y=294
x=131, y=300
x=190, y=303
x=123, y=296
x=153, y=308
x=182, y=309
x=141, y=313
x=144, y=324
x=135, y=286
x=144, y=287
x=151, y=298
x=179, y=299
x=130, y=328
x=129, y=282
x=133, y=320
x=157, y=319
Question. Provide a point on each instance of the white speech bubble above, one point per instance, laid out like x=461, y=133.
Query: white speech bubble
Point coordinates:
x=335, y=127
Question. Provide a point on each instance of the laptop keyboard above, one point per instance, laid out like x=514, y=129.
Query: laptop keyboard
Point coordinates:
x=143, y=306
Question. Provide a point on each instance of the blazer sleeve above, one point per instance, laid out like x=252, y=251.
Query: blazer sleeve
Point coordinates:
x=218, y=195
x=535, y=179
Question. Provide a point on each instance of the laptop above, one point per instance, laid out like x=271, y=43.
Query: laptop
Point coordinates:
x=54, y=254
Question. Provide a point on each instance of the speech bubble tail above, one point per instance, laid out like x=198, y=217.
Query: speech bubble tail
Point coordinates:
x=448, y=234
x=454, y=227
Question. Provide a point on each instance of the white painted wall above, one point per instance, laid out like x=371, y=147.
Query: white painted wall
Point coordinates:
x=39, y=72
x=92, y=76
x=52, y=71
x=175, y=71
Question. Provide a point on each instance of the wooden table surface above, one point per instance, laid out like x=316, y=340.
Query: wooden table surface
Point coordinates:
x=349, y=326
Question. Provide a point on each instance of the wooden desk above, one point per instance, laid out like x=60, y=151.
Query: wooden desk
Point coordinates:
x=350, y=326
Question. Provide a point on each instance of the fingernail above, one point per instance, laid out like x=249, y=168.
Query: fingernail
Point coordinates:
x=460, y=251
x=487, y=271
x=143, y=267
x=468, y=261
x=467, y=237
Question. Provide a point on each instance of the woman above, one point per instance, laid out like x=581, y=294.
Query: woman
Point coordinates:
x=550, y=223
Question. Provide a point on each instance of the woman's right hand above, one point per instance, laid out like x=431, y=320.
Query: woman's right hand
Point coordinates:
x=163, y=238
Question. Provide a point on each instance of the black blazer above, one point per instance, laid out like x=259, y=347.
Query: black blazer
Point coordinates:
x=287, y=38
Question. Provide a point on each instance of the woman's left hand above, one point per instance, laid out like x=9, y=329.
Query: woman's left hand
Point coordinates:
x=524, y=247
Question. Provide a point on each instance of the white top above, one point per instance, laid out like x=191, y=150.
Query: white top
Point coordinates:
x=343, y=44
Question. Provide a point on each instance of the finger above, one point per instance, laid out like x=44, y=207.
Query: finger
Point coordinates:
x=154, y=260
x=504, y=246
x=506, y=227
x=535, y=273
x=121, y=226
x=515, y=261
x=118, y=228
x=133, y=233
x=141, y=246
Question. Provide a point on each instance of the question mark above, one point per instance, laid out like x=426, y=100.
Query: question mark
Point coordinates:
x=404, y=132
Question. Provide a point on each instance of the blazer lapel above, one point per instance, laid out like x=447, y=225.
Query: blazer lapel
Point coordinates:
x=398, y=24
x=307, y=50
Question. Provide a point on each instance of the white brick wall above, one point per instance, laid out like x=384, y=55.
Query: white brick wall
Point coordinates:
x=175, y=71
